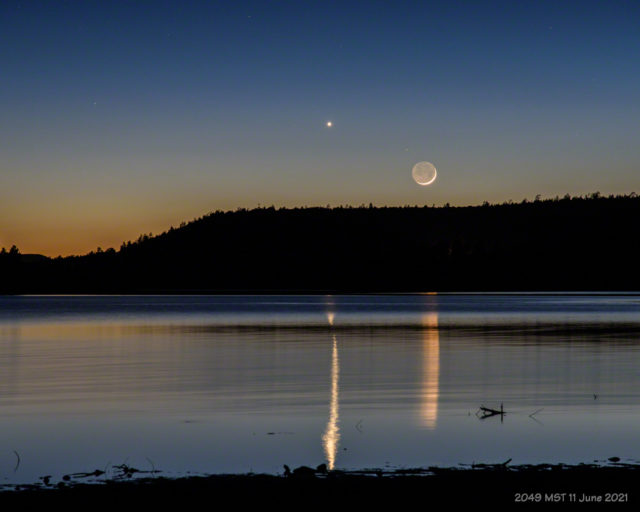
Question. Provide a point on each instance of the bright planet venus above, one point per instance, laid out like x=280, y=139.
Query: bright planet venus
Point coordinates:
x=424, y=173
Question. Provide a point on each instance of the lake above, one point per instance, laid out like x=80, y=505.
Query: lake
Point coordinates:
x=228, y=384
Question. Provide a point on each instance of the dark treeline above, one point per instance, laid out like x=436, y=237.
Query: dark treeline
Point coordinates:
x=584, y=243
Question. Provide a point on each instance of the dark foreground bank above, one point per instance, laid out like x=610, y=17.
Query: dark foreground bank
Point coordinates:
x=614, y=486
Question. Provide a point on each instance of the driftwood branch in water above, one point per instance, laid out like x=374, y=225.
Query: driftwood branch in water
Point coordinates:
x=487, y=412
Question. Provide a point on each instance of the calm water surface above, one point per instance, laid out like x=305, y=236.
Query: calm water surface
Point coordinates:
x=248, y=383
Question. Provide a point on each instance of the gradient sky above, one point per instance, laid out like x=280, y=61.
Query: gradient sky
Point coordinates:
x=122, y=118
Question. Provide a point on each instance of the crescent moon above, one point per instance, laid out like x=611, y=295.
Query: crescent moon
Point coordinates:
x=424, y=173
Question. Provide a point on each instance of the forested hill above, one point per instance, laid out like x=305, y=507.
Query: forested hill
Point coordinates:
x=589, y=243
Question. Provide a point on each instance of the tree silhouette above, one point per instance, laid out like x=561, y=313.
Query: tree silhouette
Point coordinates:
x=547, y=244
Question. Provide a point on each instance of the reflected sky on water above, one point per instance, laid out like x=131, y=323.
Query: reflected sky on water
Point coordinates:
x=249, y=383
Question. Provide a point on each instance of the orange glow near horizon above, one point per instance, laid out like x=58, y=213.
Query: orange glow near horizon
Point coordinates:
x=55, y=220
x=81, y=231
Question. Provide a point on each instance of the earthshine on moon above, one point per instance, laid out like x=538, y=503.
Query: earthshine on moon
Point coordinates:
x=424, y=173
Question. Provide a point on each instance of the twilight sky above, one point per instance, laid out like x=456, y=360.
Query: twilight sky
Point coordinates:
x=121, y=118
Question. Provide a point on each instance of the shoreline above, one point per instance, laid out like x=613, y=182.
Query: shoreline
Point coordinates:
x=614, y=484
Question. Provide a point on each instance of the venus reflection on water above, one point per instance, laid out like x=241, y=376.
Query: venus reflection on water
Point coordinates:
x=430, y=370
x=331, y=436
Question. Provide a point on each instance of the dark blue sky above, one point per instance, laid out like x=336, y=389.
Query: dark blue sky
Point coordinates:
x=125, y=117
